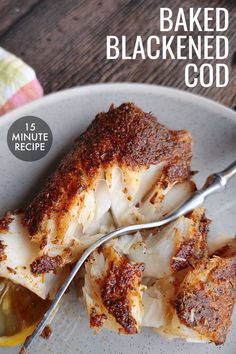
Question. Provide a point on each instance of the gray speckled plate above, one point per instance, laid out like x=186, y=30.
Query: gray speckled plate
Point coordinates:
x=68, y=113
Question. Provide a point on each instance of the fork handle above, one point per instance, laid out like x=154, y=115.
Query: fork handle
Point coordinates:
x=218, y=181
x=229, y=172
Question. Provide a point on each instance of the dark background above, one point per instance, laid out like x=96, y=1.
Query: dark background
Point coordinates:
x=65, y=41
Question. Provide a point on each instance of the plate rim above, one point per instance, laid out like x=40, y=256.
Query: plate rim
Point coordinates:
x=119, y=86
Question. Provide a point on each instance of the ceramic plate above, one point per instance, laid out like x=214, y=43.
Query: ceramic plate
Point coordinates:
x=68, y=113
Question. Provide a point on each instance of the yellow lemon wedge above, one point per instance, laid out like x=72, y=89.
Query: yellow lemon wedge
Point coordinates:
x=18, y=338
x=20, y=311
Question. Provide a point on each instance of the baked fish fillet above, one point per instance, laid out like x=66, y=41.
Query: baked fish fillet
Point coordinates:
x=18, y=254
x=124, y=157
x=205, y=299
x=147, y=258
x=179, y=288
x=113, y=291
x=126, y=168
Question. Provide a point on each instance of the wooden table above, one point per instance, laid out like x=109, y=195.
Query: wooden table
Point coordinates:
x=65, y=41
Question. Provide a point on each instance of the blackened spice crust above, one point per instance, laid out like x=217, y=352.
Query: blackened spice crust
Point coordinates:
x=228, y=250
x=5, y=222
x=115, y=290
x=191, y=251
x=97, y=320
x=211, y=301
x=126, y=136
x=11, y=270
x=46, y=333
x=3, y=255
x=45, y=264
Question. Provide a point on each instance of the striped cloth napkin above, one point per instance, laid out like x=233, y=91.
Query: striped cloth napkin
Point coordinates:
x=18, y=82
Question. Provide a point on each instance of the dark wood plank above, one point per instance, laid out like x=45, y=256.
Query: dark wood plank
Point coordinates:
x=13, y=10
x=65, y=42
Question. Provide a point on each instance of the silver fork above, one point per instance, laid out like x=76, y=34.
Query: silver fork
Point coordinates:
x=215, y=182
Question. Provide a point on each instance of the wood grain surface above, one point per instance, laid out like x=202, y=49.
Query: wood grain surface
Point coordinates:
x=65, y=41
